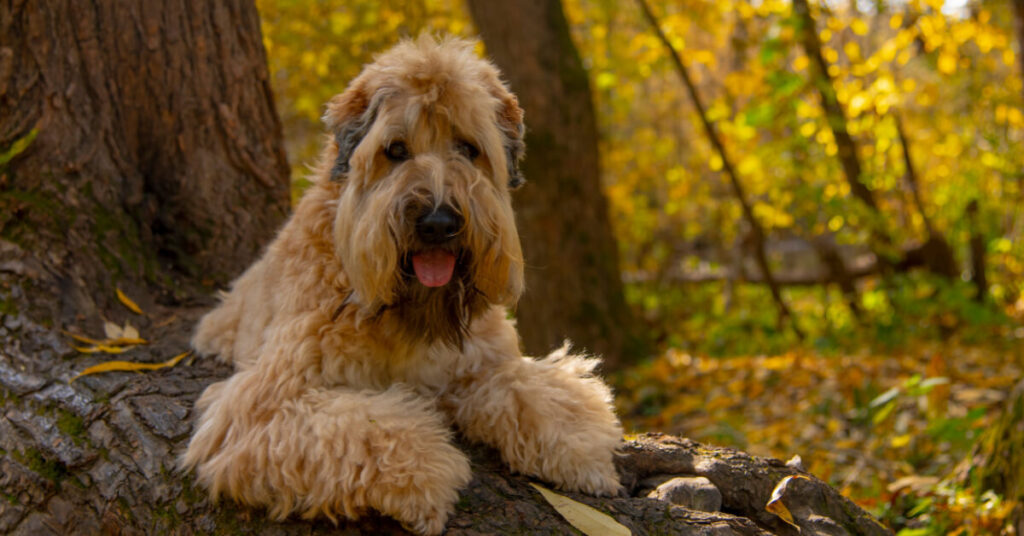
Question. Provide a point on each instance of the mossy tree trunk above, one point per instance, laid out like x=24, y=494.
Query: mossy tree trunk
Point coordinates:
x=573, y=284
x=997, y=461
x=147, y=135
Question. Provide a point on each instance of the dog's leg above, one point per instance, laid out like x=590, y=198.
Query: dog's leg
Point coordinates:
x=234, y=330
x=327, y=451
x=550, y=418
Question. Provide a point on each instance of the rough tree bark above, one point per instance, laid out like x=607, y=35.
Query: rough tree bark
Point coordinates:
x=157, y=162
x=154, y=137
x=572, y=267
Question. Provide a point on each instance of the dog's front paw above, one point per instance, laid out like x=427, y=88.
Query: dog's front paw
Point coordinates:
x=429, y=522
x=593, y=477
x=419, y=481
x=424, y=510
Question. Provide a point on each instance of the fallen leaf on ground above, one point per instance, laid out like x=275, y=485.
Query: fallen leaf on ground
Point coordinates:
x=82, y=338
x=132, y=306
x=102, y=348
x=129, y=332
x=588, y=520
x=775, y=505
x=165, y=322
x=128, y=366
x=112, y=330
x=123, y=337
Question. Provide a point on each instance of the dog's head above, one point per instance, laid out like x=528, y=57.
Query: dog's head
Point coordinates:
x=426, y=147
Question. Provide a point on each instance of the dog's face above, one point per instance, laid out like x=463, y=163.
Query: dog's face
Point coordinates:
x=426, y=144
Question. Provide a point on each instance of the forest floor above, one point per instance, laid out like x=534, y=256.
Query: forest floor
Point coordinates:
x=887, y=428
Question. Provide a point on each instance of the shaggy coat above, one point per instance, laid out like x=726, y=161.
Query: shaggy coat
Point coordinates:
x=350, y=372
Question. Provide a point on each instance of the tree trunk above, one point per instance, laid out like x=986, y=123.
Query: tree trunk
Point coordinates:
x=978, y=250
x=151, y=135
x=997, y=461
x=1018, y=12
x=940, y=259
x=573, y=283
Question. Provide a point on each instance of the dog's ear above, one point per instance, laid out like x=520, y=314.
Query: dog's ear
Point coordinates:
x=348, y=117
x=510, y=118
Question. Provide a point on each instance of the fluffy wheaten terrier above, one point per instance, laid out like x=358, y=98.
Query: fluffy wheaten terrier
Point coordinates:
x=376, y=321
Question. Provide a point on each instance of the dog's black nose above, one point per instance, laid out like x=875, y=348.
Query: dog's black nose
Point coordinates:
x=438, y=226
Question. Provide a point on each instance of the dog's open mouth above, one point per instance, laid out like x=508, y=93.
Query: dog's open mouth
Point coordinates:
x=433, y=267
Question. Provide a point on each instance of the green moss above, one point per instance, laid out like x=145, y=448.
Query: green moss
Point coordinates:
x=52, y=470
x=71, y=425
x=7, y=396
x=125, y=509
x=190, y=492
x=166, y=517
x=24, y=212
x=10, y=498
x=7, y=307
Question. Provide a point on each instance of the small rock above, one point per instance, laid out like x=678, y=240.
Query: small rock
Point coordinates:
x=695, y=493
x=19, y=381
x=13, y=322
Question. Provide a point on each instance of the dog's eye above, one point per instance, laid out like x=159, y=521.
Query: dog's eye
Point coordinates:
x=396, y=151
x=467, y=149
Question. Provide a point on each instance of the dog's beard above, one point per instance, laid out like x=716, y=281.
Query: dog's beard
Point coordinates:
x=438, y=313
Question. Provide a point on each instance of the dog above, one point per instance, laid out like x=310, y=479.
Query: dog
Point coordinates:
x=376, y=322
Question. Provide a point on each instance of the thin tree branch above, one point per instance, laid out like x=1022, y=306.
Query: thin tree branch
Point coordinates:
x=911, y=175
x=757, y=232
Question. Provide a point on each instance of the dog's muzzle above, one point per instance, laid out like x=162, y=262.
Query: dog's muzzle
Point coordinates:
x=435, y=265
x=438, y=226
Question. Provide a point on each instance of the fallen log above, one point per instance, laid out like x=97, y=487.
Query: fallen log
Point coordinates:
x=97, y=456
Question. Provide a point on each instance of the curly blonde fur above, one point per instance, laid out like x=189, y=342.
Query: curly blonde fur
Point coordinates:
x=351, y=374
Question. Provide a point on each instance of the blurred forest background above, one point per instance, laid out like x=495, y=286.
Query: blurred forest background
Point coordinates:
x=818, y=208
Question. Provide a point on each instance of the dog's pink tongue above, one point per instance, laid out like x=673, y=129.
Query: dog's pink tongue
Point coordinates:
x=434, y=267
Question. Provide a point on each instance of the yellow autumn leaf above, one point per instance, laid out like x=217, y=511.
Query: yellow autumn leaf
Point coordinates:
x=586, y=519
x=83, y=338
x=715, y=162
x=129, y=332
x=125, y=341
x=122, y=337
x=900, y=441
x=775, y=505
x=947, y=62
x=102, y=348
x=112, y=330
x=132, y=306
x=128, y=366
